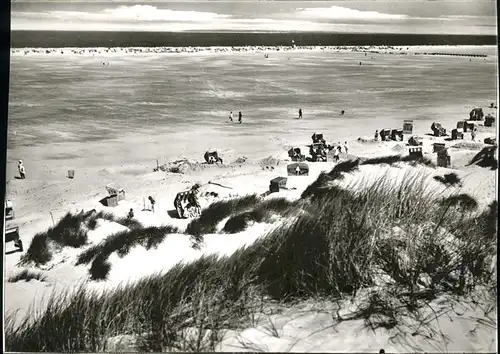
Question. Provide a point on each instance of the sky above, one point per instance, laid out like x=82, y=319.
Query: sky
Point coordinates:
x=369, y=16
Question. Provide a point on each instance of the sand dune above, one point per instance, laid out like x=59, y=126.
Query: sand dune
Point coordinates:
x=48, y=194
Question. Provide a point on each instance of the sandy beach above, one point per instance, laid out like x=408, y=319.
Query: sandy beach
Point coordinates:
x=112, y=117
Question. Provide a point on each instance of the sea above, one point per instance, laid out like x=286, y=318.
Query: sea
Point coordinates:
x=187, y=97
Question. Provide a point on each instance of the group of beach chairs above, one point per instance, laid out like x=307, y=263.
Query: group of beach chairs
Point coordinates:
x=391, y=134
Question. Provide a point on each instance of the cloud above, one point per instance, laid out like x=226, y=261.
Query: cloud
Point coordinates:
x=151, y=18
x=346, y=14
x=131, y=14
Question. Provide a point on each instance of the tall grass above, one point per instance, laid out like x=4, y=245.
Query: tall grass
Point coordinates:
x=207, y=222
x=262, y=212
x=338, y=241
x=70, y=231
x=27, y=275
x=121, y=243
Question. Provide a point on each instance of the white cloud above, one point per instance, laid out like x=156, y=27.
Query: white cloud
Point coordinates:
x=151, y=18
x=131, y=14
x=343, y=13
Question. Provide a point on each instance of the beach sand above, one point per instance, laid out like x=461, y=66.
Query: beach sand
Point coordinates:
x=128, y=160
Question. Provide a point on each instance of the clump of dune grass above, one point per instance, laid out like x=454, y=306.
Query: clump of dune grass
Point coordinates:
x=70, y=231
x=38, y=252
x=91, y=218
x=393, y=159
x=337, y=173
x=260, y=213
x=27, y=275
x=207, y=222
x=342, y=241
x=121, y=243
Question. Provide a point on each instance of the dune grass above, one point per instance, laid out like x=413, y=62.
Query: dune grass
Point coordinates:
x=91, y=220
x=70, y=231
x=259, y=213
x=207, y=222
x=342, y=241
x=38, y=252
x=121, y=243
x=27, y=275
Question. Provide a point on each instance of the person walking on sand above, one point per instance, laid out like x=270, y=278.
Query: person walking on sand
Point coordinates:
x=339, y=147
x=239, y=117
x=22, y=170
x=300, y=113
x=376, y=135
x=336, y=156
x=130, y=214
x=152, y=201
x=345, y=146
x=231, y=116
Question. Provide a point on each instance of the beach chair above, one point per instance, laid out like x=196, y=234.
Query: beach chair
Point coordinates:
x=438, y=130
x=456, y=134
x=408, y=127
x=385, y=134
x=71, y=174
x=318, y=152
x=12, y=235
x=295, y=154
x=476, y=114
x=187, y=204
x=489, y=121
x=469, y=126
x=397, y=134
x=437, y=147
x=414, y=141
x=211, y=157
x=117, y=191
x=298, y=169
x=317, y=138
x=277, y=183
x=9, y=210
x=443, y=158
x=416, y=151
x=490, y=141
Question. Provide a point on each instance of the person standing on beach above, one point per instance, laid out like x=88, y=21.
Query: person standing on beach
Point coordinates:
x=345, y=146
x=336, y=156
x=376, y=135
x=473, y=134
x=152, y=201
x=300, y=113
x=239, y=117
x=130, y=214
x=231, y=116
x=22, y=170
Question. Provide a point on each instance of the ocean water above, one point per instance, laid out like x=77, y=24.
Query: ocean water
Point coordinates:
x=181, y=102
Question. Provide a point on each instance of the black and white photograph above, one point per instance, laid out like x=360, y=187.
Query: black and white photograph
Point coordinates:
x=251, y=176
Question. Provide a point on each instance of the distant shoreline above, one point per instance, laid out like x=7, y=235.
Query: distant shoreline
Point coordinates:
x=110, y=39
x=460, y=51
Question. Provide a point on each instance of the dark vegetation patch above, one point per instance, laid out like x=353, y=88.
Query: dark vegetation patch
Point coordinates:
x=27, y=275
